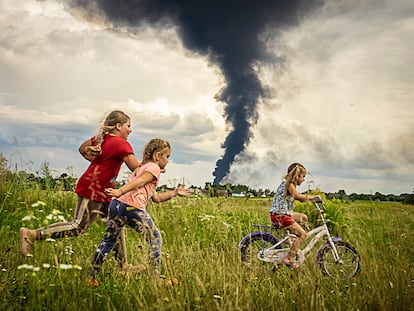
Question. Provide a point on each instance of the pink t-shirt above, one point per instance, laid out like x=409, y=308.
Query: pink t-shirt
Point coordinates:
x=139, y=197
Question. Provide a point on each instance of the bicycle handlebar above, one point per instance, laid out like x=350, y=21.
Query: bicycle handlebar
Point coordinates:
x=317, y=199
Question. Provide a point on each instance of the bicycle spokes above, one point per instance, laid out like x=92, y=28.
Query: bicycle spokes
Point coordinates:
x=345, y=266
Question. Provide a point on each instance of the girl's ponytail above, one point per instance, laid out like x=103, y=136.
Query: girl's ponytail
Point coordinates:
x=107, y=127
x=293, y=172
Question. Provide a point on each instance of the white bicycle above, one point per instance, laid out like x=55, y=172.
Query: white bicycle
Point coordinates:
x=336, y=258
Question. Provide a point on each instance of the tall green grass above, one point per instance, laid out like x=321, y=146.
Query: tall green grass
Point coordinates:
x=200, y=237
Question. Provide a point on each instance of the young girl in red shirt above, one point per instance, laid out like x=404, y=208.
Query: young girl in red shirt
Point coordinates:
x=106, y=151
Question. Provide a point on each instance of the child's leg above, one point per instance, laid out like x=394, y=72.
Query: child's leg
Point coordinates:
x=300, y=218
x=85, y=214
x=142, y=222
x=296, y=229
x=120, y=250
x=113, y=230
x=120, y=246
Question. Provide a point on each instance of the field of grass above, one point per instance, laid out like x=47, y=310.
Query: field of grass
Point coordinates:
x=200, y=237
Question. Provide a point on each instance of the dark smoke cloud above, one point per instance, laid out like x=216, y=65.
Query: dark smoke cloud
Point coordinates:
x=230, y=33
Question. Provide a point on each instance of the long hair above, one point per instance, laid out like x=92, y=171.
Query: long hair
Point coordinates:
x=293, y=173
x=107, y=127
x=153, y=146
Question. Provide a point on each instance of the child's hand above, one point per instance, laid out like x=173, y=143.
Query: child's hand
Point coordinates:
x=181, y=191
x=113, y=192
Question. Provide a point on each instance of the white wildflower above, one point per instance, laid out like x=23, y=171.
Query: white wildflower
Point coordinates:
x=68, y=249
x=28, y=217
x=38, y=203
x=25, y=266
x=69, y=266
x=227, y=225
x=206, y=217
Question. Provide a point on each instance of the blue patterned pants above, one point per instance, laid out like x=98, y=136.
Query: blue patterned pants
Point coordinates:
x=119, y=215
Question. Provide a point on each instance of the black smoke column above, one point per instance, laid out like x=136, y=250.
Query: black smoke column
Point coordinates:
x=228, y=32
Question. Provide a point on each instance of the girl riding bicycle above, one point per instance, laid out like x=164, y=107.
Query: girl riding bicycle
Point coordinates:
x=282, y=214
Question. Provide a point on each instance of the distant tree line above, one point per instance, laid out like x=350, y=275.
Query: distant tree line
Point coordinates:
x=43, y=179
x=215, y=190
x=407, y=198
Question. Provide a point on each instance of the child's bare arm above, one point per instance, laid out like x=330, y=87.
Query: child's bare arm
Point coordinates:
x=141, y=181
x=302, y=197
x=131, y=161
x=164, y=196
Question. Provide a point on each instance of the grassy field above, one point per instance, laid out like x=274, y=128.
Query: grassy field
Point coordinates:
x=200, y=237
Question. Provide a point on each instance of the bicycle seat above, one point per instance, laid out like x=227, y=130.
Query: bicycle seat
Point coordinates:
x=276, y=226
x=262, y=226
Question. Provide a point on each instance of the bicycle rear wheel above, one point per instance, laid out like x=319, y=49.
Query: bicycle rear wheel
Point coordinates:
x=252, y=251
x=346, y=267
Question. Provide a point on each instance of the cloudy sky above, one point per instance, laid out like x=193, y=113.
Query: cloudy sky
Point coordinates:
x=334, y=90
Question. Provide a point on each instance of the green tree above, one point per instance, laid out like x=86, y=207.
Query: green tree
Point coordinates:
x=45, y=173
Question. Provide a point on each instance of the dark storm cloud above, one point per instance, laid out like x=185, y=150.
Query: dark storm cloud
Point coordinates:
x=230, y=33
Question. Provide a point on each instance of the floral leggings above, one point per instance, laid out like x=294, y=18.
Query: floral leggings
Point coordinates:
x=119, y=215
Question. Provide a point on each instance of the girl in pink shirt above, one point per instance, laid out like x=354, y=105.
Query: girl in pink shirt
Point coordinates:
x=129, y=207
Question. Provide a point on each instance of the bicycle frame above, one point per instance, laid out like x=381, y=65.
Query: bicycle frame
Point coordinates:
x=326, y=231
x=335, y=257
x=276, y=252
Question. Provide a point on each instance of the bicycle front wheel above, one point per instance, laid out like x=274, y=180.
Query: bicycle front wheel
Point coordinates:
x=346, y=267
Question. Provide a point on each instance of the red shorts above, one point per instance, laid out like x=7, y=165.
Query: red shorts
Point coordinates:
x=281, y=221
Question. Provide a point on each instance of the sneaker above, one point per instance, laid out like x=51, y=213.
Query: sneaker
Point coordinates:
x=92, y=282
x=169, y=282
x=27, y=238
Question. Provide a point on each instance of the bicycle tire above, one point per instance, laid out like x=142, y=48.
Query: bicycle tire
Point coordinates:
x=250, y=251
x=348, y=265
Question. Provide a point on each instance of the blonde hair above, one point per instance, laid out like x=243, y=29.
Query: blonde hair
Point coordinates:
x=107, y=127
x=153, y=146
x=292, y=176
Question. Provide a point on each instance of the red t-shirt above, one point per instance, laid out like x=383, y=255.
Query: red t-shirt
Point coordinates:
x=104, y=169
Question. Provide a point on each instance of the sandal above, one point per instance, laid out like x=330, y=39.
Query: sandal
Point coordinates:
x=290, y=264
